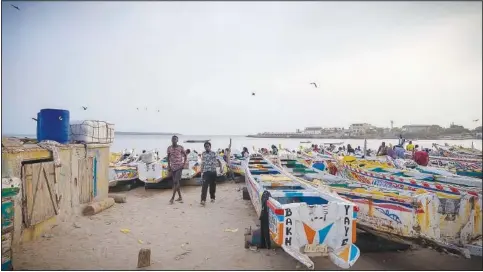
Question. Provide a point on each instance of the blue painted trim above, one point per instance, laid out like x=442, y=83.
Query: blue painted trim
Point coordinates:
x=280, y=218
x=95, y=176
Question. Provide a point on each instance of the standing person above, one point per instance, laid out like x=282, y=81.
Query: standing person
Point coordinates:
x=176, y=161
x=410, y=146
x=227, y=158
x=208, y=173
x=401, y=140
x=274, y=150
x=245, y=152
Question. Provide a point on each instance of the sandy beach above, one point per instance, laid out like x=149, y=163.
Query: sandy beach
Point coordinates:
x=186, y=236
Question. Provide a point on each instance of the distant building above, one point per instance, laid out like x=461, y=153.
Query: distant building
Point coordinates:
x=313, y=130
x=332, y=130
x=415, y=128
x=360, y=128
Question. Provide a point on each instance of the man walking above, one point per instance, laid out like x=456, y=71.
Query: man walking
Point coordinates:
x=208, y=172
x=176, y=161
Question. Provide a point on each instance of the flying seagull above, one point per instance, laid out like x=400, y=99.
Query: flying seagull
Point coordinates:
x=476, y=120
x=315, y=84
x=85, y=108
x=137, y=108
x=15, y=7
x=253, y=94
x=35, y=119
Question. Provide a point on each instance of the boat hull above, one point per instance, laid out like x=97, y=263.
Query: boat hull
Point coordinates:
x=324, y=227
x=459, y=212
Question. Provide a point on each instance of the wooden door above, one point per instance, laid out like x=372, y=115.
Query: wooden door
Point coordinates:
x=86, y=180
x=39, y=195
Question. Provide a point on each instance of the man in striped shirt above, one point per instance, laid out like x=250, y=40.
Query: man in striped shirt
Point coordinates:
x=176, y=161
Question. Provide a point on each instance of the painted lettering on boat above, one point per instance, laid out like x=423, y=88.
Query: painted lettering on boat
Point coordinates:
x=347, y=223
x=288, y=227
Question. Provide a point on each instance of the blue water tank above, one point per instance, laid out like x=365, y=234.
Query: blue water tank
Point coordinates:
x=53, y=125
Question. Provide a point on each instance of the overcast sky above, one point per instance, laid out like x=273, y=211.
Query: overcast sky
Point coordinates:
x=198, y=63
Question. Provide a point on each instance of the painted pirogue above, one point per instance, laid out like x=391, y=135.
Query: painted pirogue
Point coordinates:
x=395, y=214
x=459, y=207
x=302, y=220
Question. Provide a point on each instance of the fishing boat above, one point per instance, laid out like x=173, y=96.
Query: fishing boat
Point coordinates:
x=123, y=168
x=392, y=214
x=459, y=210
x=236, y=164
x=157, y=171
x=304, y=221
x=196, y=141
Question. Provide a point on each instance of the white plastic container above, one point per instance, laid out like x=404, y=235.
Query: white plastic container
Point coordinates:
x=91, y=131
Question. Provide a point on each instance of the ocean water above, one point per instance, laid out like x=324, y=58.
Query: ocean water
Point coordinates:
x=161, y=142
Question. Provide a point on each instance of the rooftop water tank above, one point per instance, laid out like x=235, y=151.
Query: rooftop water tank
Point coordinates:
x=53, y=124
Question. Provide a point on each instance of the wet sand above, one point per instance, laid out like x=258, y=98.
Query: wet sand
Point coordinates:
x=189, y=237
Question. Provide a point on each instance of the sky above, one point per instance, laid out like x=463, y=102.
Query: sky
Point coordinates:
x=194, y=65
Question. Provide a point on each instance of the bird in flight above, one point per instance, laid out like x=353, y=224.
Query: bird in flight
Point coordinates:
x=85, y=108
x=137, y=108
x=253, y=94
x=476, y=120
x=146, y=108
x=35, y=119
x=315, y=84
x=15, y=7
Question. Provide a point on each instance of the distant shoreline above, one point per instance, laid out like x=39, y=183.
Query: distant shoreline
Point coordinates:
x=453, y=138
x=144, y=133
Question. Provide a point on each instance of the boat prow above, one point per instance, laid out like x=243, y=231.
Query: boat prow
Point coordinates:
x=304, y=221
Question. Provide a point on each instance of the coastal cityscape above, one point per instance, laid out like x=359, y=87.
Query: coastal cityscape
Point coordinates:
x=258, y=136
x=368, y=131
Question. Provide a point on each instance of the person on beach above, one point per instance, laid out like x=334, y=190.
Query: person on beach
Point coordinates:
x=401, y=141
x=400, y=153
x=176, y=162
x=410, y=146
x=208, y=173
x=245, y=152
x=382, y=150
x=227, y=158
x=274, y=150
x=350, y=149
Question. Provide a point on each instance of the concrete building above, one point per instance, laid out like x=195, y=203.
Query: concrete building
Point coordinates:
x=50, y=193
x=360, y=128
x=415, y=128
x=313, y=130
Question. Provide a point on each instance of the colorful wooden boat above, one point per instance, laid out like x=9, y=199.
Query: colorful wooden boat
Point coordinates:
x=304, y=221
x=401, y=216
x=459, y=210
x=122, y=168
x=236, y=164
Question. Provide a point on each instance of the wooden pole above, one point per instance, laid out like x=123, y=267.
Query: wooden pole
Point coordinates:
x=144, y=257
x=98, y=207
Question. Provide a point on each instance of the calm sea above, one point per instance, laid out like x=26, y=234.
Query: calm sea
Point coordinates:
x=161, y=142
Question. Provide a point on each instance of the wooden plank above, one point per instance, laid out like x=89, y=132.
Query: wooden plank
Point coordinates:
x=39, y=195
x=51, y=192
x=86, y=179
